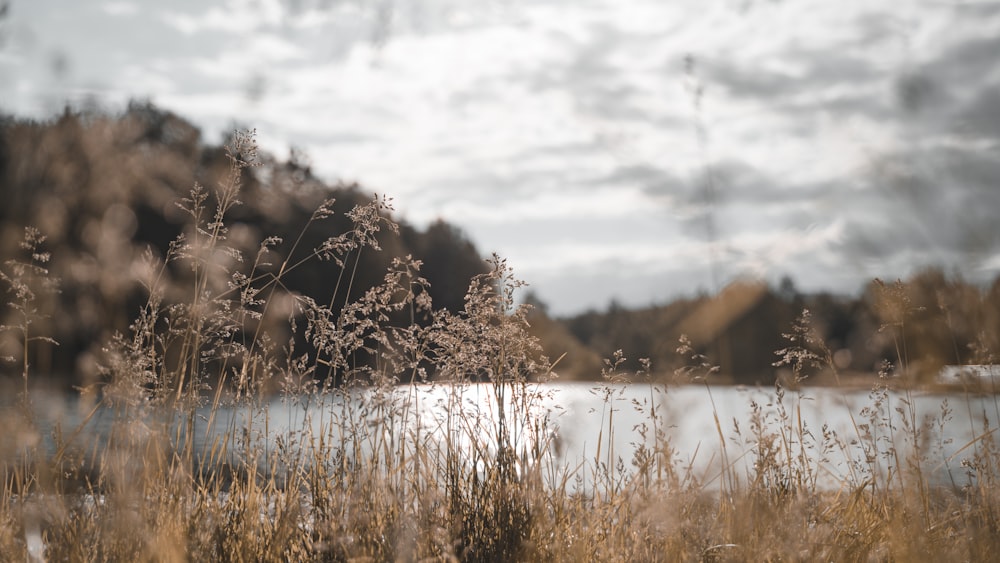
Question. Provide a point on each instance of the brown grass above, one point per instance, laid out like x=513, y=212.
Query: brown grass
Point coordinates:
x=357, y=480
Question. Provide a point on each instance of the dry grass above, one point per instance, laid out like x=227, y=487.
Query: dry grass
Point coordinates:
x=356, y=479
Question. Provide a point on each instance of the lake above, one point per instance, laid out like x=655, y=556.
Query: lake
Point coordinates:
x=842, y=433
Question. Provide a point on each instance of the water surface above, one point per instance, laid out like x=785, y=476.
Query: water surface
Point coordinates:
x=713, y=433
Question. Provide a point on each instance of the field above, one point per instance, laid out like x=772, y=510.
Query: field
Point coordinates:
x=358, y=483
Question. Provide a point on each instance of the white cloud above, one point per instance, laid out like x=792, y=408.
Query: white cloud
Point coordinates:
x=120, y=8
x=537, y=127
x=235, y=17
x=254, y=58
x=765, y=251
x=991, y=265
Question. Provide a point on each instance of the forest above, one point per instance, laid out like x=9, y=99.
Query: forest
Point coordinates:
x=107, y=191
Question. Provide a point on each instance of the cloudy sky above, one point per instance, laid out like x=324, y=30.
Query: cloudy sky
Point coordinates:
x=631, y=150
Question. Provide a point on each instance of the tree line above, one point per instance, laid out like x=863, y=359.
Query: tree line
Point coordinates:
x=905, y=329
x=104, y=190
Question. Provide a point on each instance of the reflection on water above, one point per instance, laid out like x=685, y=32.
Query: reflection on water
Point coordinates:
x=842, y=434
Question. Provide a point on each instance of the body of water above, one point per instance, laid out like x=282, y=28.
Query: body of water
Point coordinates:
x=711, y=435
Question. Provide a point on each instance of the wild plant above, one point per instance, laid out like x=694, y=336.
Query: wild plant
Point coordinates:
x=608, y=471
x=792, y=465
x=698, y=369
x=24, y=280
x=653, y=454
x=22, y=466
x=487, y=490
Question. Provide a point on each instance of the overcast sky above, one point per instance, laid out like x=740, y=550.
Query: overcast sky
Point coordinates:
x=611, y=149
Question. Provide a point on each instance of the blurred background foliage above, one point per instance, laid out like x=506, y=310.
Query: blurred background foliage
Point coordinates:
x=919, y=325
x=103, y=189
